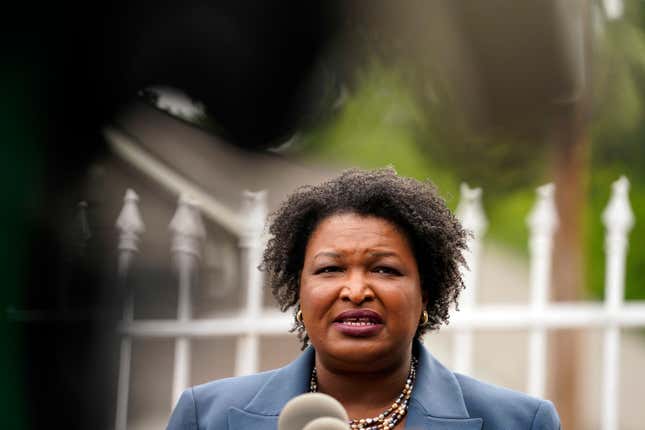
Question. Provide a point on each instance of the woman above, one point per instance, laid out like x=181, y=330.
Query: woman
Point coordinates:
x=369, y=261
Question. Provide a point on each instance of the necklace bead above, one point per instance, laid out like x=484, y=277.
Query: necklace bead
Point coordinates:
x=387, y=419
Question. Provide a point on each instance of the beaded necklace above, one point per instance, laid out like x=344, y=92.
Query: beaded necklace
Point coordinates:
x=392, y=416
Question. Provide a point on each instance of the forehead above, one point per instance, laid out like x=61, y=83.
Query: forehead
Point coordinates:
x=352, y=231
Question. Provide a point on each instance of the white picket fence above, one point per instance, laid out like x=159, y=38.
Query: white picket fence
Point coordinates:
x=253, y=321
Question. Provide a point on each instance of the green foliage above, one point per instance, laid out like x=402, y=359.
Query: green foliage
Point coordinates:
x=508, y=213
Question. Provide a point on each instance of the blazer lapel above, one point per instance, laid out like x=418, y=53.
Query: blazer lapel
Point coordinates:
x=288, y=382
x=437, y=402
x=239, y=419
x=423, y=422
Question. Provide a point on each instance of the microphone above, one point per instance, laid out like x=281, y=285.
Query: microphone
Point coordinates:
x=327, y=423
x=313, y=411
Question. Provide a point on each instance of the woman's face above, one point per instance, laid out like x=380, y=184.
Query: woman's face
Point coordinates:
x=360, y=292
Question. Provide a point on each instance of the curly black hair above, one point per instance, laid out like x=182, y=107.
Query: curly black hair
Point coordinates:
x=437, y=238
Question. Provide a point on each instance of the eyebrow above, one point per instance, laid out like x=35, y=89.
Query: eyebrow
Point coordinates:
x=327, y=254
x=384, y=254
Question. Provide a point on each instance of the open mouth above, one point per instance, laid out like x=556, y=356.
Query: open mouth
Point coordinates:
x=359, y=318
x=357, y=321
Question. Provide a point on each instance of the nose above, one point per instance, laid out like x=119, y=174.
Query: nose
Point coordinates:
x=356, y=289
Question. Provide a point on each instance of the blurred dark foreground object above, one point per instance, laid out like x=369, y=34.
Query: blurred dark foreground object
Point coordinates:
x=70, y=70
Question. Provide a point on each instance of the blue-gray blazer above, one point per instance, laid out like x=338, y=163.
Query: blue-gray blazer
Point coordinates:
x=442, y=400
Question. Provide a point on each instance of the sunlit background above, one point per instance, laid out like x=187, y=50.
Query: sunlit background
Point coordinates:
x=215, y=99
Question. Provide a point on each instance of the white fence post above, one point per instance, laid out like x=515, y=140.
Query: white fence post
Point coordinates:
x=471, y=214
x=542, y=222
x=618, y=219
x=130, y=226
x=188, y=236
x=251, y=244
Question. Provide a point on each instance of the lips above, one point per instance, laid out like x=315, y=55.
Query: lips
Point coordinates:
x=359, y=322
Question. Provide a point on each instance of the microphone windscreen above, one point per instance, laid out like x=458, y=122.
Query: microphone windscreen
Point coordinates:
x=327, y=423
x=299, y=411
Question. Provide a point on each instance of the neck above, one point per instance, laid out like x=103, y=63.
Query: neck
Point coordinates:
x=365, y=392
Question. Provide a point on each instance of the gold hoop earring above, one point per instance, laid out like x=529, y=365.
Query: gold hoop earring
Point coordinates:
x=424, y=318
x=299, y=319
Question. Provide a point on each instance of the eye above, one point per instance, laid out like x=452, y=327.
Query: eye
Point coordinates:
x=385, y=270
x=328, y=269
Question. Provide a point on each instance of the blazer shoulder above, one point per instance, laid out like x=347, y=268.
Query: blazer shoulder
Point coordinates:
x=505, y=408
x=209, y=402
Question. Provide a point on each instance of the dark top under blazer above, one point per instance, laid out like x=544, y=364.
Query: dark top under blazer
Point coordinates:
x=442, y=400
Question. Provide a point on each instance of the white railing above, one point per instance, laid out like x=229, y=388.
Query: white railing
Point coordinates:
x=538, y=316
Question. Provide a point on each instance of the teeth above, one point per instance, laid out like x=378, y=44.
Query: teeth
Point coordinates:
x=358, y=322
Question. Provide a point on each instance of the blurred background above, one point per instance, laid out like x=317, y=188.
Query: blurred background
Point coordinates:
x=215, y=98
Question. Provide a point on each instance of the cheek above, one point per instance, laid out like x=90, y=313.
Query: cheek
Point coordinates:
x=315, y=299
x=405, y=306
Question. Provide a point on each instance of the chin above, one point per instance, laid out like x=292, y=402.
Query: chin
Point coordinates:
x=359, y=351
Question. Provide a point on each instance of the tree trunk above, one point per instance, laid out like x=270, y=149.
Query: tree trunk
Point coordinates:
x=571, y=141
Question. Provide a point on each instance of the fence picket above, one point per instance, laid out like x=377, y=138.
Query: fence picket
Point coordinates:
x=251, y=245
x=471, y=214
x=542, y=222
x=188, y=237
x=618, y=220
x=130, y=226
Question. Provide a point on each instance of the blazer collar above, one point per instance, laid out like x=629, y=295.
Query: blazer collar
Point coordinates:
x=286, y=383
x=437, y=400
